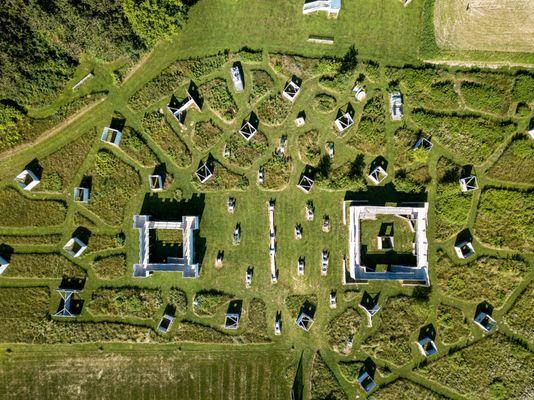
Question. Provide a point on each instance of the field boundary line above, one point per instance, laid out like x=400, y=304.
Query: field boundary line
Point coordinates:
x=479, y=64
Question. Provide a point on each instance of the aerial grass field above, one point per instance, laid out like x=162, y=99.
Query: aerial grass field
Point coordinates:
x=475, y=119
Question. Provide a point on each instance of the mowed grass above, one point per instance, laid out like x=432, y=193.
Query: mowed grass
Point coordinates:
x=383, y=29
x=465, y=25
x=151, y=375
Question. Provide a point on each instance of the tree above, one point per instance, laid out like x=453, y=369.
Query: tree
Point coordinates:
x=154, y=19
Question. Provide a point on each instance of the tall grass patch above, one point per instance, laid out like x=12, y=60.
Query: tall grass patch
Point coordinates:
x=125, y=302
x=21, y=211
x=486, y=278
x=505, y=218
x=155, y=126
x=114, y=183
x=60, y=167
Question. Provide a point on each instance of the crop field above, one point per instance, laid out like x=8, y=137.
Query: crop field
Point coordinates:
x=484, y=25
x=151, y=375
x=476, y=121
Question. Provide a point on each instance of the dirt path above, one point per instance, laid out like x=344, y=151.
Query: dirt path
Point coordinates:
x=51, y=132
x=480, y=64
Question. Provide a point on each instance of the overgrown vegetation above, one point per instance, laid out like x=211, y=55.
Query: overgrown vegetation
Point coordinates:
x=452, y=206
x=493, y=368
x=505, y=218
x=113, y=183
x=370, y=136
x=485, y=278
x=21, y=211
x=343, y=327
x=206, y=134
x=273, y=110
x=125, y=302
x=277, y=172
x=324, y=384
x=262, y=83
x=400, y=320
x=222, y=179
x=309, y=149
x=451, y=324
x=244, y=153
x=516, y=162
x=219, y=98
x=520, y=317
x=160, y=131
x=110, y=267
x=41, y=265
x=209, y=301
x=135, y=145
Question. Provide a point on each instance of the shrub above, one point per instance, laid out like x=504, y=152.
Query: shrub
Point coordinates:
x=244, y=153
x=399, y=320
x=125, y=302
x=273, y=110
x=262, y=83
x=153, y=20
x=370, y=136
x=324, y=384
x=160, y=131
x=199, y=67
x=277, y=172
x=111, y=267
x=207, y=302
x=161, y=86
x=348, y=176
x=341, y=81
x=26, y=212
x=309, y=149
x=114, y=183
x=412, y=181
x=520, y=317
x=404, y=139
x=486, y=278
x=41, y=265
x=505, y=218
x=516, y=162
x=222, y=179
x=250, y=56
x=219, y=98
x=523, y=89
x=485, y=97
x=178, y=299
x=341, y=327
x=471, y=136
x=350, y=370
x=481, y=369
x=324, y=103
x=206, y=134
x=135, y=145
x=451, y=324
